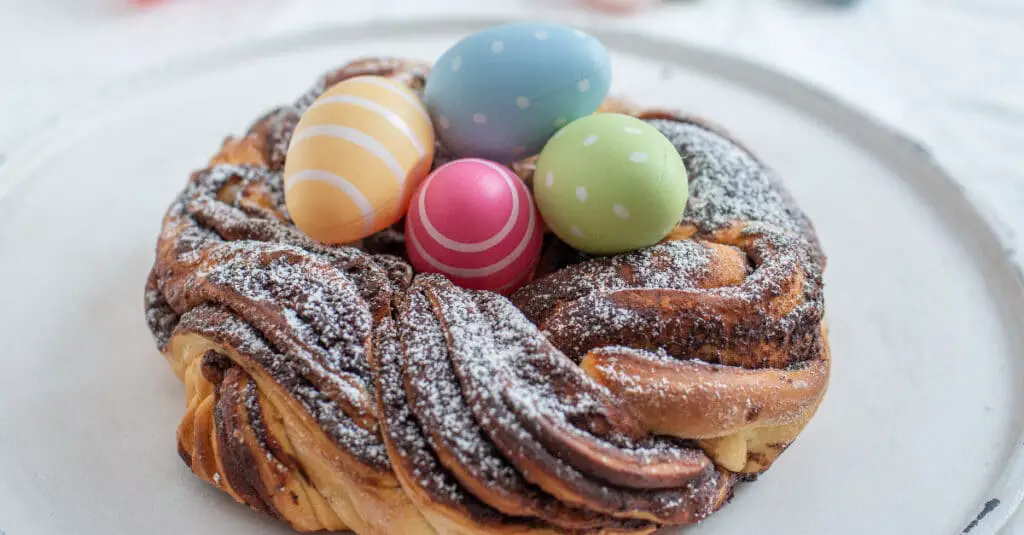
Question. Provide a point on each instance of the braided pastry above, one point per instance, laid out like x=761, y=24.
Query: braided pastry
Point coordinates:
x=332, y=388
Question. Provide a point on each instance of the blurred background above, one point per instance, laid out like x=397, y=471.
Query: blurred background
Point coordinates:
x=947, y=73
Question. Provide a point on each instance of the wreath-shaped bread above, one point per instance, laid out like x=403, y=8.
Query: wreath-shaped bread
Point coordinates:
x=333, y=388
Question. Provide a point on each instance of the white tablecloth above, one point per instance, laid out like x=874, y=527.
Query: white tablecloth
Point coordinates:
x=948, y=73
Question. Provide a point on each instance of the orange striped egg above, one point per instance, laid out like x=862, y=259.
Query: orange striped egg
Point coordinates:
x=355, y=159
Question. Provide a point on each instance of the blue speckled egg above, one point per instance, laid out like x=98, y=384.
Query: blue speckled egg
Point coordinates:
x=501, y=93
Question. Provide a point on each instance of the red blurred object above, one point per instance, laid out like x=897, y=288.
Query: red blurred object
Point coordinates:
x=621, y=6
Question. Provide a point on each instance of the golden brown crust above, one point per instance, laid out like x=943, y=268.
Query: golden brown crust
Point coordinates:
x=328, y=388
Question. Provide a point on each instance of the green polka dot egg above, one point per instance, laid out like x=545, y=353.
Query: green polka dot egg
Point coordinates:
x=610, y=183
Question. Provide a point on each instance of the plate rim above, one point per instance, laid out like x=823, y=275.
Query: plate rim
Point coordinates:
x=934, y=184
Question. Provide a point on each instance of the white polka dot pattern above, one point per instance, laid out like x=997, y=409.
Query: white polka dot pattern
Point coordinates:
x=616, y=191
x=497, y=97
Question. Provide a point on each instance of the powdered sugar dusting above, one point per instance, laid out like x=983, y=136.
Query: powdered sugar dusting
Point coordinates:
x=595, y=303
x=675, y=264
x=403, y=432
x=500, y=358
x=227, y=241
x=291, y=372
x=438, y=400
x=440, y=408
x=727, y=183
x=550, y=387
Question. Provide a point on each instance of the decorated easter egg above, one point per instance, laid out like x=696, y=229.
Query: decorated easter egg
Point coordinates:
x=501, y=93
x=356, y=156
x=610, y=183
x=474, y=221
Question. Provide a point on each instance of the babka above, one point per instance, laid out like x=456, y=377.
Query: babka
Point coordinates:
x=334, y=388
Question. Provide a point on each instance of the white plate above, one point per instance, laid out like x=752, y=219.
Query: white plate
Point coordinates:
x=916, y=433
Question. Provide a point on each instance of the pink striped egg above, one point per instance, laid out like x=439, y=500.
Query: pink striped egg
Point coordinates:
x=474, y=221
